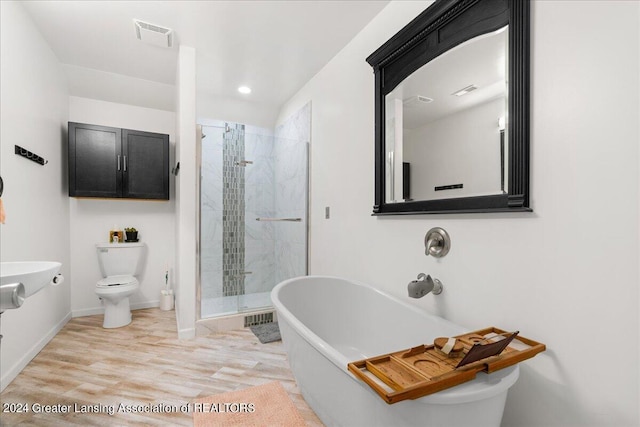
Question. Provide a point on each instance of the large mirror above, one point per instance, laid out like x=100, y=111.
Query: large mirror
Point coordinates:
x=452, y=110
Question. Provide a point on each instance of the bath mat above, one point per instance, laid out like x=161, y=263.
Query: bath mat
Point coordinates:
x=267, y=332
x=264, y=405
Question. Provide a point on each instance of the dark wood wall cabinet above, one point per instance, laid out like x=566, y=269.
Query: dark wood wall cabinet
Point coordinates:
x=117, y=163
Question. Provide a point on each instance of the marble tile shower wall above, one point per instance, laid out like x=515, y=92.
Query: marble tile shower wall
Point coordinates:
x=260, y=202
x=258, y=191
x=211, y=213
x=291, y=183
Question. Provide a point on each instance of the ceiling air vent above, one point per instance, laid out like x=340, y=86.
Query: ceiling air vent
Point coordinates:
x=416, y=101
x=465, y=90
x=153, y=34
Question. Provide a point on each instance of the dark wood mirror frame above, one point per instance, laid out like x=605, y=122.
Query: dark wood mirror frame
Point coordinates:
x=442, y=26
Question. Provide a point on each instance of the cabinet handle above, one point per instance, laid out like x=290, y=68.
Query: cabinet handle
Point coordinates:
x=118, y=161
x=124, y=158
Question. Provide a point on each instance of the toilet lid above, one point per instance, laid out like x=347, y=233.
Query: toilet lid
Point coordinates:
x=116, y=281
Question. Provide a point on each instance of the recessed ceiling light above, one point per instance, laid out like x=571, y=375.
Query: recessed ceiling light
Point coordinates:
x=244, y=89
x=465, y=90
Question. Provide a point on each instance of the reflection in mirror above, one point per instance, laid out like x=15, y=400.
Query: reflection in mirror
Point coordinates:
x=445, y=124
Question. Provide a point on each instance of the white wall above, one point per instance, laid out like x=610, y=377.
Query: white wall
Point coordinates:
x=234, y=110
x=91, y=219
x=462, y=148
x=33, y=115
x=566, y=274
x=95, y=84
x=186, y=206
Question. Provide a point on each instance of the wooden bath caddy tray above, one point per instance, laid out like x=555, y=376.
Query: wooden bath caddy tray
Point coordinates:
x=422, y=370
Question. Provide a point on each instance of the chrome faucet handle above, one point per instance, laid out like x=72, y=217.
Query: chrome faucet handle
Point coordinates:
x=437, y=242
x=433, y=245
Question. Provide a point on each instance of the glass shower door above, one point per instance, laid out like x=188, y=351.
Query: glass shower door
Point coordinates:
x=253, y=217
x=254, y=164
x=275, y=216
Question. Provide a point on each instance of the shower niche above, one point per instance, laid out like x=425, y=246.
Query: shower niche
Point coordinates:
x=253, y=215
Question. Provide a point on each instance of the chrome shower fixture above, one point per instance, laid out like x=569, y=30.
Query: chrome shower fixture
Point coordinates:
x=437, y=242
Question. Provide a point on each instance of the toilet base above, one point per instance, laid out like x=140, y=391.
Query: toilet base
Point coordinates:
x=116, y=315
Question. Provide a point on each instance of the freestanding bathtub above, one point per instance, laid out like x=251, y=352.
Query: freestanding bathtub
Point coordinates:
x=327, y=322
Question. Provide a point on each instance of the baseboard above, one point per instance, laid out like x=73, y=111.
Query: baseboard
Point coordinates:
x=33, y=352
x=186, y=333
x=147, y=304
x=100, y=310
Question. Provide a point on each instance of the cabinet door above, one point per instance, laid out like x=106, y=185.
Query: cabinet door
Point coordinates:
x=146, y=165
x=95, y=160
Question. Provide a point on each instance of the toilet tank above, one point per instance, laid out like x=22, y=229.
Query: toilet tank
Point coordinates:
x=120, y=258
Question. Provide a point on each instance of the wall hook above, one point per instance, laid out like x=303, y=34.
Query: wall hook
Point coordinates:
x=29, y=155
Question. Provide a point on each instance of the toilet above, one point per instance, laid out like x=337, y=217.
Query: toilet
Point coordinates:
x=119, y=264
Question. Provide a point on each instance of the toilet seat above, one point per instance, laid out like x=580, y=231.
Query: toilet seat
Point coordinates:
x=114, y=282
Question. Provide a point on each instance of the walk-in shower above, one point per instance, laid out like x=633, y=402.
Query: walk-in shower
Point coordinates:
x=253, y=216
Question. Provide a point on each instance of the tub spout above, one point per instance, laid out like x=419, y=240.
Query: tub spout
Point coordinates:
x=423, y=285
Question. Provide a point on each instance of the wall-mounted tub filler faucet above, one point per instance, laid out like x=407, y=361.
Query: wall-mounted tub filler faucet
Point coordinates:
x=437, y=242
x=424, y=285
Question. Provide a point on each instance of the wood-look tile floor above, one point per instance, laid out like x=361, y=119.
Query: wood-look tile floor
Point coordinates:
x=95, y=369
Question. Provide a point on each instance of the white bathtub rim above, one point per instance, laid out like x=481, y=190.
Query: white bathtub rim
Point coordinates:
x=500, y=381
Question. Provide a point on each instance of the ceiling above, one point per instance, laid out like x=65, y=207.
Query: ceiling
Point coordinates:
x=274, y=47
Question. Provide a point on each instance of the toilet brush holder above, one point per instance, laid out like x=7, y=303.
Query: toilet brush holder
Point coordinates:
x=166, y=300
